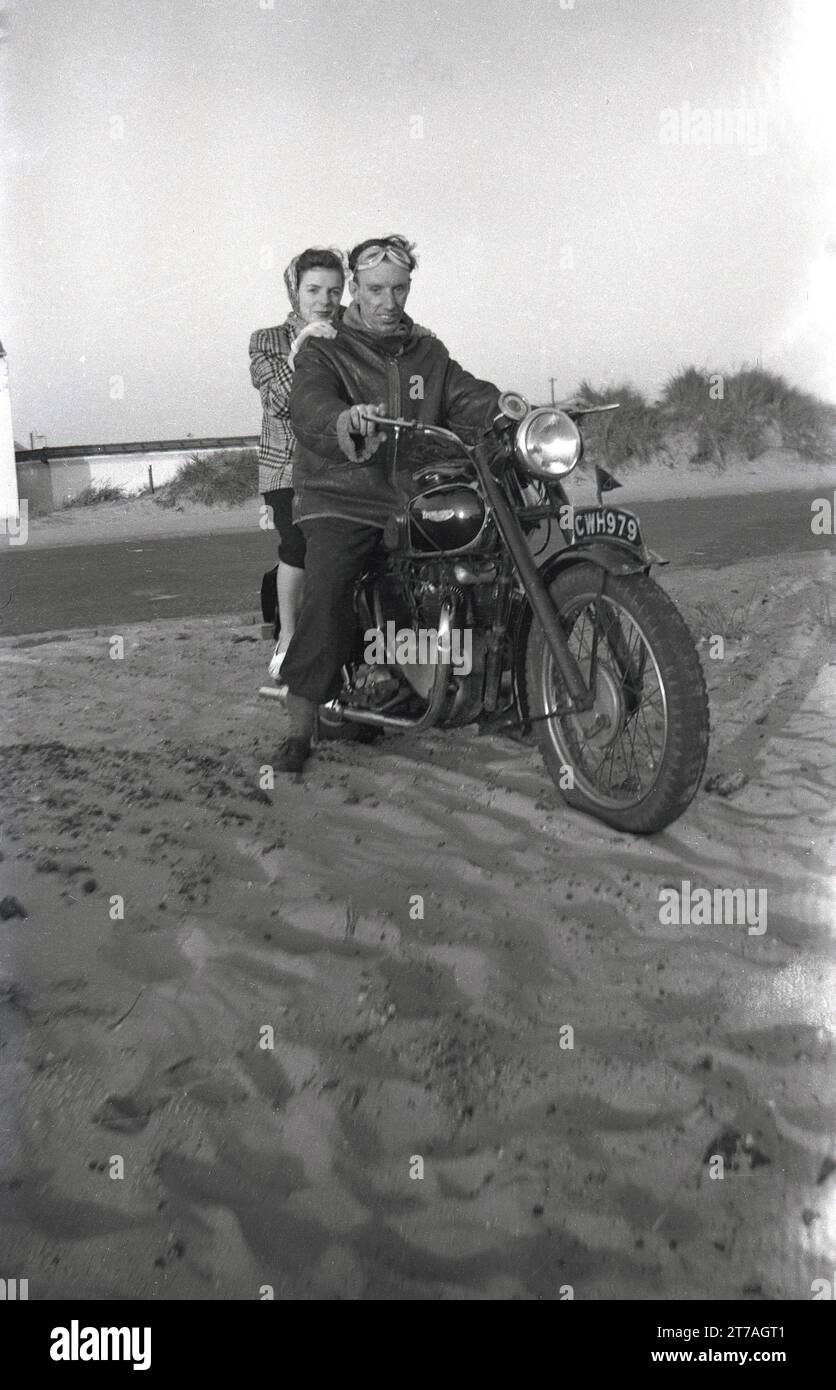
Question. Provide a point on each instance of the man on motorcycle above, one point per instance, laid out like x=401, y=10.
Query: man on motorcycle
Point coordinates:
x=348, y=475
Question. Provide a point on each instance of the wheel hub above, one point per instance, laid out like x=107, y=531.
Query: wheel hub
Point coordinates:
x=601, y=725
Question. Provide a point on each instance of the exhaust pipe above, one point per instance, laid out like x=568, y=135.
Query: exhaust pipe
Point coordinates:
x=438, y=694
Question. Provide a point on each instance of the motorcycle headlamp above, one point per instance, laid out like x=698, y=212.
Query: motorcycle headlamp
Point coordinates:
x=548, y=443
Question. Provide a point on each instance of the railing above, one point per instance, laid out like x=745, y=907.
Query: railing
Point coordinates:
x=145, y=446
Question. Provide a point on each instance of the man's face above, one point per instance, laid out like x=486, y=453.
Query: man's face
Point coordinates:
x=320, y=292
x=380, y=294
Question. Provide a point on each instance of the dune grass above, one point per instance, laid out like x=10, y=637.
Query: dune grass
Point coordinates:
x=223, y=478
x=93, y=494
x=709, y=417
x=630, y=435
x=745, y=413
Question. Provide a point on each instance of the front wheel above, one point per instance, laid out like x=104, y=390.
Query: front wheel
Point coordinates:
x=636, y=758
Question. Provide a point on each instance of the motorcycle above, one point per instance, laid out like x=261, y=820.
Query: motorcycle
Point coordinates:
x=458, y=623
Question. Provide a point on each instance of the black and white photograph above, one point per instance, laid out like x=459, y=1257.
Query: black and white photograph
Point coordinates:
x=418, y=660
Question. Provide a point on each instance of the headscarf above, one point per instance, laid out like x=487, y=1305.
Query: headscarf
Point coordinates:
x=291, y=274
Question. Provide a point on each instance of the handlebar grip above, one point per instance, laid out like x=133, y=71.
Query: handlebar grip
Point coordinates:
x=399, y=424
x=417, y=427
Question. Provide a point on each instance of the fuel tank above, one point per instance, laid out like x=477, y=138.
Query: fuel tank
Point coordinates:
x=449, y=516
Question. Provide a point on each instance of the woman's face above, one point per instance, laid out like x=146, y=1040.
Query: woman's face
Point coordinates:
x=320, y=292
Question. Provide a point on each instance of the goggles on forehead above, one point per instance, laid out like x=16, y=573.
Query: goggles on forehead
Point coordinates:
x=373, y=255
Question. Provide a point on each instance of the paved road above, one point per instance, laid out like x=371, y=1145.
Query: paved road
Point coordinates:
x=131, y=581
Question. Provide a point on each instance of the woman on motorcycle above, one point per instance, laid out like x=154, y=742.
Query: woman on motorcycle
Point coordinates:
x=315, y=281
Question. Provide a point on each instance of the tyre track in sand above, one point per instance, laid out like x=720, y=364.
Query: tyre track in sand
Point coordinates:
x=397, y=1035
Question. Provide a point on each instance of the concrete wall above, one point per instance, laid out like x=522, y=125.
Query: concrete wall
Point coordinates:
x=57, y=481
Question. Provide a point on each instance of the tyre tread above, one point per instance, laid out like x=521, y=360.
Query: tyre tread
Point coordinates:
x=687, y=697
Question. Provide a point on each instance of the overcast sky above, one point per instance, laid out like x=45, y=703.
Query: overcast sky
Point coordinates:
x=584, y=198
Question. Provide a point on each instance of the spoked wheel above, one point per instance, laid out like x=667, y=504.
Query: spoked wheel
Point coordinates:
x=636, y=758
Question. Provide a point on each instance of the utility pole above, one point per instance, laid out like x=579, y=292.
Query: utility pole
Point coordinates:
x=9, y=500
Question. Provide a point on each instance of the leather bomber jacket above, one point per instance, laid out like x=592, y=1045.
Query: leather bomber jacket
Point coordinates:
x=416, y=379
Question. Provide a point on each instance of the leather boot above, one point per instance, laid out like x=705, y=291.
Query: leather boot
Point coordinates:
x=296, y=749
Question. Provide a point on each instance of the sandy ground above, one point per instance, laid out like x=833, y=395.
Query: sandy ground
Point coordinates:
x=328, y=1038
x=141, y=518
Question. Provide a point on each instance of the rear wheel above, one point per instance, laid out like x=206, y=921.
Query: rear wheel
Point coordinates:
x=635, y=759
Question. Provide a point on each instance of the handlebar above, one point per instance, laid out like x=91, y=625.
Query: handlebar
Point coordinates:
x=398, y=424
x=437, y=432
x=416, y=427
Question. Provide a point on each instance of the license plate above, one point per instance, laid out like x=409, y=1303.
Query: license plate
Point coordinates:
x=608, y=523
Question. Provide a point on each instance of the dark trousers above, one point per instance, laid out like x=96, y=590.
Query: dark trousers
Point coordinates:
x=337, y=551
x=291, y=540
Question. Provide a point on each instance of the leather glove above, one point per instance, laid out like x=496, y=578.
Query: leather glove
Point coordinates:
x=357, y=433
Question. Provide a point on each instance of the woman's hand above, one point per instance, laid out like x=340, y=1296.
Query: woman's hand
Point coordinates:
x=319, y=329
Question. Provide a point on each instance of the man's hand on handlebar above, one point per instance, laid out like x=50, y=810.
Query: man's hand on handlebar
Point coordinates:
x=360, y=434
x=361, y=418
x=357, y=432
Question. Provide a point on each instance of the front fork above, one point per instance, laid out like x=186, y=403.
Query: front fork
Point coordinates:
x=578, y=694
x=496, y=636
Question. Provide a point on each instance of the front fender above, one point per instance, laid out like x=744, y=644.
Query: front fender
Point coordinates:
x=611, y=556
